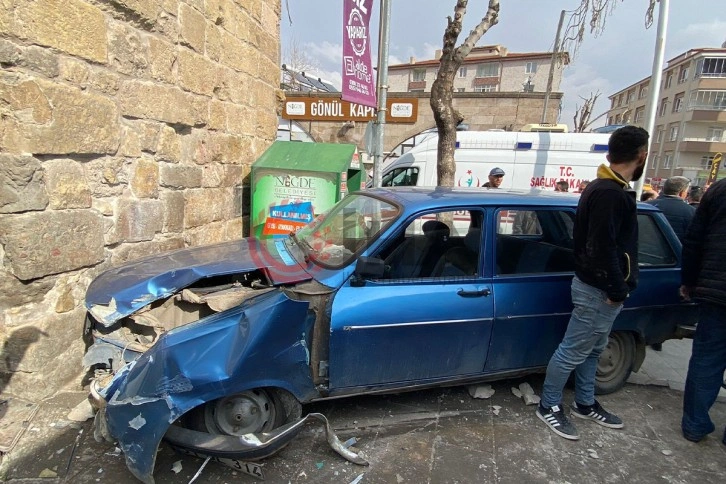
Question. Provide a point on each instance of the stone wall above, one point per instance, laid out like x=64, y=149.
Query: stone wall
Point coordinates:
x=127, y=128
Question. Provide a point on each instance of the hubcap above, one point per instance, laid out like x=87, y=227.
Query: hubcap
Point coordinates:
x=243, y=413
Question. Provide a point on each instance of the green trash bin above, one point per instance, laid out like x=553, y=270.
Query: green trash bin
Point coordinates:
x=293, y=182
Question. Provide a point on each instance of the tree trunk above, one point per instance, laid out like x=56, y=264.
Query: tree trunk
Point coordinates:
x=442, y=90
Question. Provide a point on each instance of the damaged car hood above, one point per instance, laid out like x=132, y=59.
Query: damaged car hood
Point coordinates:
x=123, y=290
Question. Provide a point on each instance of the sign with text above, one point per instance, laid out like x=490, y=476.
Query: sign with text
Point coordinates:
x=358, y=82
x=715, y=164
x=400, y=110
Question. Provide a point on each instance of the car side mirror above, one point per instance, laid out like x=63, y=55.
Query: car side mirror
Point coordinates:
x=367, y=268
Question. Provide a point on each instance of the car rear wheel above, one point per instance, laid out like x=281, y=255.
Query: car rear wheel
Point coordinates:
x=248, y=412
x=616, y=363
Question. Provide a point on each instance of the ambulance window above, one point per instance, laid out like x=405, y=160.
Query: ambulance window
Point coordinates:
x=400, y=177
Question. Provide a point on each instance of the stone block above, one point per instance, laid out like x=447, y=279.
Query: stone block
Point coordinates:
x=44, y=243
x=40, y=60
x=127, y=50
x=42, y=117
x=169, y=148
x=233, y=86
x=196, y=73
x=130, y=143
x=108, y=176
x=15, y=293
x=73, y=70
x=173, y=203
x=138, y=220
x=235, y=54
x=213, y=43
x=217, y=175
x=162, y=57
x=138, y=12
x=217, y=116
x=168, y=104
x=55, y=23
x=103, y=80
x=145, y=179
x=215, y=147
x=103, y=205
x=128, y=252
x=66, y=184
x=167, y=24
x=148, y=133
x=180, y=176
x=192, y=27
x=10, y=54
x=205, y=205
x=207, y=235
x=22, y=185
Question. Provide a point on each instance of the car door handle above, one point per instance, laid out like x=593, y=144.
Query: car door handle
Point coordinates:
x=479, y=293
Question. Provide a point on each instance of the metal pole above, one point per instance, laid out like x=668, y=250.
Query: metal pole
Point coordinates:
x=555, y=51
x=655, y=80
x=382, y=89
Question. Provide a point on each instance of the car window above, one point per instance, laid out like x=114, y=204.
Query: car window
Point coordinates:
x=531, y=241
x=400, y=177
x=435, y=245
x=653, y=247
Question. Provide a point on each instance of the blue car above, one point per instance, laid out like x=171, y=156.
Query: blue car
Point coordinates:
x=215, y=349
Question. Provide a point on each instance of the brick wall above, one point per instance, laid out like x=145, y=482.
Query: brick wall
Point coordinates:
x=126, y=128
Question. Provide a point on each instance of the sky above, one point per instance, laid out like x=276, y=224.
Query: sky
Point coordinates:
x=620, y=56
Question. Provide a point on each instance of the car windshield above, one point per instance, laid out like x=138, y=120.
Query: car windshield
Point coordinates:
x=335, y=237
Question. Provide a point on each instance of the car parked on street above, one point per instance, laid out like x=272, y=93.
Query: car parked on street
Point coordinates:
x=217, y=348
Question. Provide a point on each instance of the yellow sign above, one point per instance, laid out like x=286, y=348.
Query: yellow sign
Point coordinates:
x=715, y=164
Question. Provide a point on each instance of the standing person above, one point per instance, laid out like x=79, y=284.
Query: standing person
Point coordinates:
x=672, y=202
x=496, y=175
x=606, y=271
x=703, y=275
x=694, y=196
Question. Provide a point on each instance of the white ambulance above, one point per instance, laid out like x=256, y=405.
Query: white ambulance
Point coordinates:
x=530, y=160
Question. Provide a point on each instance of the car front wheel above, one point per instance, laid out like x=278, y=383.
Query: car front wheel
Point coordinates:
x=616, y=363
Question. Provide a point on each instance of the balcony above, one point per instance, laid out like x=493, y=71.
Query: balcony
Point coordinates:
x=416, y=85
x=702, y=145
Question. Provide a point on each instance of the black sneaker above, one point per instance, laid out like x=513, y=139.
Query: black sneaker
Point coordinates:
x=596, y=413
x=557, y=421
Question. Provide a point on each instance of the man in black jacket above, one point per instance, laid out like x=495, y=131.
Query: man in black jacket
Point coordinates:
x=606, y=270
x=703, y=275
x=672, y=202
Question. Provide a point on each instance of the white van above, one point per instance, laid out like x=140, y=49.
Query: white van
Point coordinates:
x=530, y=160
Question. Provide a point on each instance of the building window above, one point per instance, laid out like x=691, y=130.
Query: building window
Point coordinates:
x=490, y=69
x=610, y=121
x=639, y=114
x=620, y=99
x=416, y=90
x=631, y=97
x=667, y=160
x=711, y=67
x=706, y=162
x=683, y=75
x=668, y=80
x=460, y=89
x=487, y=88
x=663, y=106
x=661, y=132
x=678, y=103
x=708, y=100
x=673, y=133
x=654, y=161
x=714, y=134
x=643, y=92
x=612, y=103
x=531, y=68
x=618, y=118
x=419, y=75
x=462, y=71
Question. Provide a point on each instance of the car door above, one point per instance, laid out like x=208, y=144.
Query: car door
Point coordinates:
x=428, y=318
x=533, y=268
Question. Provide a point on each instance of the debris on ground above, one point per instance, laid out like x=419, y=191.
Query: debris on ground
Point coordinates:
x=495, y=409
x=526, y=393
x=47, y=473
x=592, y=453
x=81, y=412
x=666, y=452
x=176, y=467
x=357, y=479
x=480, y=391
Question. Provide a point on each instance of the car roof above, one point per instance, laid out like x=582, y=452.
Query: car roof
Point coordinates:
x=422, y=198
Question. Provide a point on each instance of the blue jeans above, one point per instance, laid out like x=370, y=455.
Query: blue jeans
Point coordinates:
x=585, y=338
x=705, y=371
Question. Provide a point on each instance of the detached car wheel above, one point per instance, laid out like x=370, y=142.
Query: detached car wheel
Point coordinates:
x=616, y=363
x=248, y=412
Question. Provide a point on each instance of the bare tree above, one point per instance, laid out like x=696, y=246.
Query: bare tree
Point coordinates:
x=590, y=12
x=583, y=113
x=296, y=59
x=442, y=90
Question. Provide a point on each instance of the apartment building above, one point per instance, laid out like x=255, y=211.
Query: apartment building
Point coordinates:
x=690, y=121
x=489, y=68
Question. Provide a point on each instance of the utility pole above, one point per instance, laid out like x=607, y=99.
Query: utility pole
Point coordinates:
x=555, y=52
x=382, y=89
x=655, y=80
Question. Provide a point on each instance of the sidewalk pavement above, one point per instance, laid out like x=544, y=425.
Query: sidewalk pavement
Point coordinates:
x=433, y=436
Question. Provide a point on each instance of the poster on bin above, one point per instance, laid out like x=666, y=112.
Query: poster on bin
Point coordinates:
x=358, y=81
x=284, y=202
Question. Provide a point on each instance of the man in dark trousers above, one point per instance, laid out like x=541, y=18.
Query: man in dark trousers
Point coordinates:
x=672, y=202
x=606, y=271
x=703, y=275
